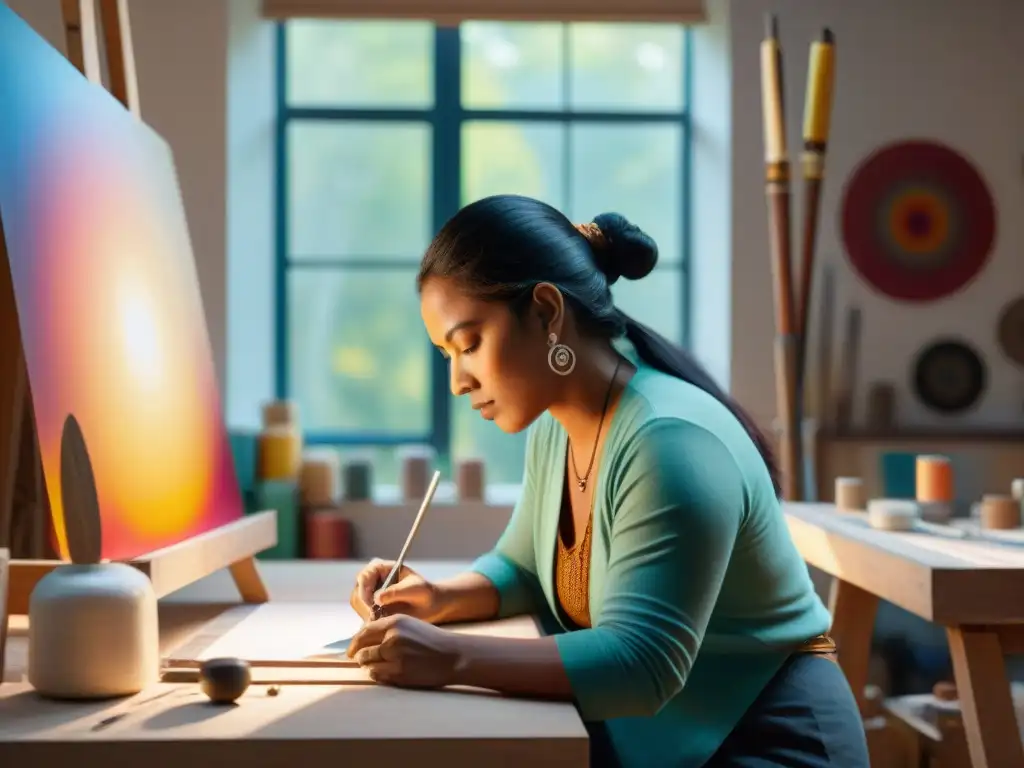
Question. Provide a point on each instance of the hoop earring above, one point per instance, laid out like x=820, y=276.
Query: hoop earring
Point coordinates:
x=561, y=358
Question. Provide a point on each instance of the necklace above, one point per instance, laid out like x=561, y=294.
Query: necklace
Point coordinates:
x=581, y=482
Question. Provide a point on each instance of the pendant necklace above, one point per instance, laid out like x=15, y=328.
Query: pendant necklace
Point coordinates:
x=581, y=482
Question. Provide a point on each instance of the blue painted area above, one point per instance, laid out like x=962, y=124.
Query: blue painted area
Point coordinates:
x=899, y=474
x=243, y=451
x=282, y=496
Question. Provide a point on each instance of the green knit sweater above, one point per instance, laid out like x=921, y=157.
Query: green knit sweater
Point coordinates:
x=697, y=593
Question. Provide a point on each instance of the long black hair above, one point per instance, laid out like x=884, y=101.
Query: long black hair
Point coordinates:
x=500, y=247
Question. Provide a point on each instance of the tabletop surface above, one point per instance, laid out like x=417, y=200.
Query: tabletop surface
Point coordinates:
x=940, y=578
x=351, y=709
x=1001, y=550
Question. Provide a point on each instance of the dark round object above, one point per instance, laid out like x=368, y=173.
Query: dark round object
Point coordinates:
x=918, y=221
x=949, y=376
x=79, y=499
x=224, y=680
x=1011, y=330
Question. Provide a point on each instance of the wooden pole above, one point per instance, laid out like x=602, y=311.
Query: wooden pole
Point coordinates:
x=777, y=192
x=14, y=404
x=817, y=122
x=826, y=333
x=117, y=40
x=5, y=558
x=82, y=40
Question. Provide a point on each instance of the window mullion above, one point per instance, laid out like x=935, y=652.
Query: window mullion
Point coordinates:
x=446, y=182
x=280, y=299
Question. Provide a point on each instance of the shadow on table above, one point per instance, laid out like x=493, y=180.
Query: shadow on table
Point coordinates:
x=190, y=713
x=28, y=713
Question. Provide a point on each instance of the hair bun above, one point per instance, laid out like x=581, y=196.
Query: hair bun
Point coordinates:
x=626, y=251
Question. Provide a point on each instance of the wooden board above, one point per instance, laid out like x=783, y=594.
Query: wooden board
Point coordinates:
x=946, y=581
x=1011, y=536
x=230, y=546
x=172, y=725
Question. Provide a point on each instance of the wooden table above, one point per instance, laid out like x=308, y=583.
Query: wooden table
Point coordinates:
x=344, y=724
x=975, y=589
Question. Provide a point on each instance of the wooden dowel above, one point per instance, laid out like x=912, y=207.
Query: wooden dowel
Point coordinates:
x=777, y=193
x=117, y=39
x=817, y=122
x=826, y=332
x=82, y=41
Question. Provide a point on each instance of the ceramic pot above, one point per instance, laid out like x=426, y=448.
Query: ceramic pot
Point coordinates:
x=93, y=632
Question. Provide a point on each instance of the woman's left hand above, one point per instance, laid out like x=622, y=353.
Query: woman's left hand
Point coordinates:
x=404, y=651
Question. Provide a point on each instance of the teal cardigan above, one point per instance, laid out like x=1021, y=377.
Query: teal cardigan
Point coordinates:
x=697, y=592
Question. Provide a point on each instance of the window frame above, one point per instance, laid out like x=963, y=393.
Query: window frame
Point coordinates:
x=446, y=118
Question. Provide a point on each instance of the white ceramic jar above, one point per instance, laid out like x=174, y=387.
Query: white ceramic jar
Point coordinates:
x=93, y=632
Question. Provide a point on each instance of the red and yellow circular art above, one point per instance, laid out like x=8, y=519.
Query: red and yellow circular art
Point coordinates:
x=918, y=221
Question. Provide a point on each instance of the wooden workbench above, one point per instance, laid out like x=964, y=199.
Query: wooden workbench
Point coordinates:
x=344, y=724
x=975, y=589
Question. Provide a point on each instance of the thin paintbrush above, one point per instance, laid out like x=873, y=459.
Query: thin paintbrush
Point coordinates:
x=397, y=567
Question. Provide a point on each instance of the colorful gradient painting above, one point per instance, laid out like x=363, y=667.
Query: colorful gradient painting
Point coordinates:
x=111, y=317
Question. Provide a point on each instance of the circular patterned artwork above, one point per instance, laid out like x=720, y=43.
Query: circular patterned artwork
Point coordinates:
x=1011, y=330
x=918, y=221
x=949, y=376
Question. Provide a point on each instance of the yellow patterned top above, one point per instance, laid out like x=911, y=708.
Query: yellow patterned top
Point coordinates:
x=572, y=578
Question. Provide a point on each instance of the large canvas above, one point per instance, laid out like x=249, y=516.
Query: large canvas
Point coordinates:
x=107, y=293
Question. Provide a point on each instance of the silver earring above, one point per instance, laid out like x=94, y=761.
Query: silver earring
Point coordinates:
x=561, y=358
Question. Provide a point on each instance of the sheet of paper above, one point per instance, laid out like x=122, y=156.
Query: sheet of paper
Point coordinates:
x=275, y=632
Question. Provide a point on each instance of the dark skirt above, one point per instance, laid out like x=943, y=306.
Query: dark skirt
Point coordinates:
x=806, y=717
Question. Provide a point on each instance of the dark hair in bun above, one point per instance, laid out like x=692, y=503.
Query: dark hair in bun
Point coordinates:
x=621, y=248
x=500, y=247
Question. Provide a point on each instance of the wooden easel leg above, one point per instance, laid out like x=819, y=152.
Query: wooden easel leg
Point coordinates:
x=12, y=399
x=31, y=516
x=990, y=723
x=117, y=38
x=82, y=40
x=853, y=625
x=249, y=582
x=4, y=559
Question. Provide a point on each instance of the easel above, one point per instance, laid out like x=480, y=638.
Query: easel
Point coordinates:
x=232, y=546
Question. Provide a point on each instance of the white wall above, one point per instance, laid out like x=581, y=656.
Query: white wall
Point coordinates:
x=946, y=69
x=942, y=69
x=251, y=119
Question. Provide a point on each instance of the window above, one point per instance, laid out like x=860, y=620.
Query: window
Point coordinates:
x=387, y=128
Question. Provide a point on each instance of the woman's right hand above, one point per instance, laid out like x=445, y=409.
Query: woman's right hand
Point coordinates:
x=410, y=593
